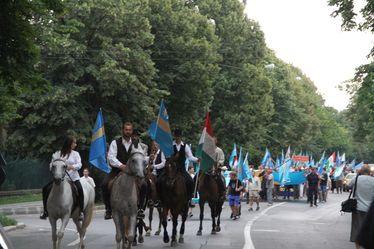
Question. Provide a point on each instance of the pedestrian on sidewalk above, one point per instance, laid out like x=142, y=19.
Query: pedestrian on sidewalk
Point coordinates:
x=254, y=187
x=313, y=186
x=323, y=185
x=86, y=177
x=269, y=186
x=234, y=189
x=364, y=195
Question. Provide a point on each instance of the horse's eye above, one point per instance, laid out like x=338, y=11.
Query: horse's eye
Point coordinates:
x=65, y=166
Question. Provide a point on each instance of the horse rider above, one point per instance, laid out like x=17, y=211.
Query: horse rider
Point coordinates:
x=118, y=155
x=73, y=162
x=157, y=163
x=220, y=160
x=184, y=151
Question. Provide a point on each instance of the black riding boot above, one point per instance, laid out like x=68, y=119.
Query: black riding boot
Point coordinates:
x=80, y=198
x=45, y=193
x=142, y=199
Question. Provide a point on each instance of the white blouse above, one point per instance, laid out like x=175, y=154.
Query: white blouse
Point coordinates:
x=74, y=159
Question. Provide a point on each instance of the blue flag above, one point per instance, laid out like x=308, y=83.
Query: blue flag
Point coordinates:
x=266, y=157
x=321, y=163
x=160, y=131
x=243, y=169
x=97, y=155
x=358, y=166
x=232, y=156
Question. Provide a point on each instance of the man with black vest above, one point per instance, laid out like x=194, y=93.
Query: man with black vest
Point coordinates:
x=184, y=151
x=118, y=155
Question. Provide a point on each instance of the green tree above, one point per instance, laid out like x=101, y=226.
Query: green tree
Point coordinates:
x=185, y=56
x=95, y=55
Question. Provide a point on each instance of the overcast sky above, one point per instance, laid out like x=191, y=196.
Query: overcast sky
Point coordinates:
x=303, y=33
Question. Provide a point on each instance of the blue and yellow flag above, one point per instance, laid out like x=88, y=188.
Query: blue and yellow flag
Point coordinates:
x=160, y=131
x=98, y=145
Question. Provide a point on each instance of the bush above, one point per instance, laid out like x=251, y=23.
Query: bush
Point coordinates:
x=7, y=221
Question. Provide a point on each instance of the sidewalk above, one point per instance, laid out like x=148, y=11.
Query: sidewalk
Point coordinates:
x=35, y=207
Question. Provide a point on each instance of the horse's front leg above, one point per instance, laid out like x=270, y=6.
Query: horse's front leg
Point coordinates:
x=117, y=223
x=174, y=233
x=213, y=212
x=131, y=230
x=150, y=217
x=164, y=224
x=54, y=230
x=159, y=221
x=219, y=210
x=60, y=234
x=184, y=218
x=201, y=205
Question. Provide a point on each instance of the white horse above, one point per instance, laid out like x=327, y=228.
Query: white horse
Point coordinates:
x=124, y=197
x=60, y=203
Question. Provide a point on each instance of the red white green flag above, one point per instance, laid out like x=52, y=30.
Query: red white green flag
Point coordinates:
x=207, y=147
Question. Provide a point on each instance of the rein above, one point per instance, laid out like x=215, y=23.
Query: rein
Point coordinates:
x=129, y=172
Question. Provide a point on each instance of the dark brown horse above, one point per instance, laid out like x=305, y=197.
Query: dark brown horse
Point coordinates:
x=209, y=191
x=174, y=199
x=152, y=198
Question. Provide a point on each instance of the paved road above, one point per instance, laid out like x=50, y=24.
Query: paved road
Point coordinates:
x=288, y=225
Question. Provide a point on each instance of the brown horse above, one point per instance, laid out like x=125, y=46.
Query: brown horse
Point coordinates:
x=174, y=200
x=209, y=192
x=152, y=198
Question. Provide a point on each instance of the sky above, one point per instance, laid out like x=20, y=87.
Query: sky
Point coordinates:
x=302, y=33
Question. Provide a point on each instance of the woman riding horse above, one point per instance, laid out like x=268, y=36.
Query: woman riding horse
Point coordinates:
x=73, y=162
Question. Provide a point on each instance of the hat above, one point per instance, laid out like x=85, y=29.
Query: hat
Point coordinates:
x=178, y=132
x=224, y=168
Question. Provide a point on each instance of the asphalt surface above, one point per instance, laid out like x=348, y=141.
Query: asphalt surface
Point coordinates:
x=291, y=224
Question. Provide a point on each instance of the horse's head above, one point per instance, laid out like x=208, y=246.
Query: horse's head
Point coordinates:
x=171, y=167
x=58, y=168
x=136, y=163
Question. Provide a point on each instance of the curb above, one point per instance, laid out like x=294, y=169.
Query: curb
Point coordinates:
x=12, y=228
x=31, y=210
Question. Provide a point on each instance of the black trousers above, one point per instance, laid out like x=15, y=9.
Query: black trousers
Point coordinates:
x=312, y=192
x=105, y=188
x=78, y=184
x=45, y=193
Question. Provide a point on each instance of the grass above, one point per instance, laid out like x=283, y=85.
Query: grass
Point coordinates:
x=20, y=198
x=6, y=221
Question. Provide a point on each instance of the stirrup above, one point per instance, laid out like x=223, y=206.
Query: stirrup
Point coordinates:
x=44, y=215
x=108, y=215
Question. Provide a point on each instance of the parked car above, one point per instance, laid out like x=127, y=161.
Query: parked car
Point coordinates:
x=347, y=179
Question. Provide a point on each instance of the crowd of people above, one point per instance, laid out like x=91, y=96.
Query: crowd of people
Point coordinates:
x=261, y=185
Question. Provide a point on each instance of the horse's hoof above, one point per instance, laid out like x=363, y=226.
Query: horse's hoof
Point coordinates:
x=218, y=229
x=181, y=240
x=173, y=243
x=166, y=239
x=140, y=239
x=213, y=231
x=199, y=233
x=157, y=233
x=148, y=233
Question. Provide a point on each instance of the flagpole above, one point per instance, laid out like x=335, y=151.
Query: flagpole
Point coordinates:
x=158, y=117
x=197, y=180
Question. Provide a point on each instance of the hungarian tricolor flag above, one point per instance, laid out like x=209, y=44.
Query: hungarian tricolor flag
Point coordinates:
x=207, y=146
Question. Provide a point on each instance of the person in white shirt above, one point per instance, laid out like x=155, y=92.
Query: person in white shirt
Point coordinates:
x=87, y=178
x=118, y=155
x=73, y=162
x=254, y=187
x=184, y=151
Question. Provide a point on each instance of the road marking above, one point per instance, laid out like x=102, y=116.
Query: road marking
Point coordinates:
x=76, y=242
x=266, y=230
x=247, y=230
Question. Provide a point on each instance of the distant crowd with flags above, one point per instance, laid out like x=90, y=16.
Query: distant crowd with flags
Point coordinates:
x=285, y=175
